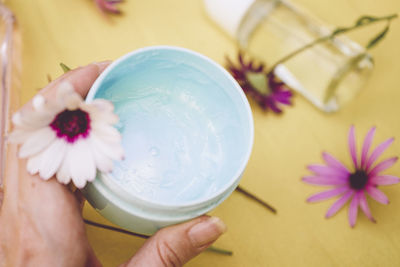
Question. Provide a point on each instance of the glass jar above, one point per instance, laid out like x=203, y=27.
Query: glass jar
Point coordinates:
x=328, y=74
x=9, y=62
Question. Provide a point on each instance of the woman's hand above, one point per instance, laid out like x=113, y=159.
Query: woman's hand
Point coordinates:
x=41, y=221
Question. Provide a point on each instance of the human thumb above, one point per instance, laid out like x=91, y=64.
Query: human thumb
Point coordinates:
x=176, y=245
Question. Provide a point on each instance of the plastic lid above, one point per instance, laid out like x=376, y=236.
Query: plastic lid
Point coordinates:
x=228, y=13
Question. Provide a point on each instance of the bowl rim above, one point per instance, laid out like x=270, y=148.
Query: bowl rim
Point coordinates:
x=235, y=86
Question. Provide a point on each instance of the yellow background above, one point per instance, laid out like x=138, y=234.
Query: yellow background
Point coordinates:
x=74, y=32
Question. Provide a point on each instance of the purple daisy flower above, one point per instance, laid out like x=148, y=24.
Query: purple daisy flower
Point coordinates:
x=353, y=185
x=268, y=91
x=108, y=6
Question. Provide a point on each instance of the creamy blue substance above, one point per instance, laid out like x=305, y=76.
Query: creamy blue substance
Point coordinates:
x=183, y=133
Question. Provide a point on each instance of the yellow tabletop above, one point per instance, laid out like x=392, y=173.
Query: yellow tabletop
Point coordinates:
x=74, y=32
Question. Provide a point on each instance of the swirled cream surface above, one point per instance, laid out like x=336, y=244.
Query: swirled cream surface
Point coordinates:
x=182, y=132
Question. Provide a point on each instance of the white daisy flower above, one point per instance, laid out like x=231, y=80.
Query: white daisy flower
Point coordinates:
x=68, y=137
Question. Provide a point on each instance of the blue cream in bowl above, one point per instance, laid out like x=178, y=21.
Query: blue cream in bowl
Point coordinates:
x=187, y=132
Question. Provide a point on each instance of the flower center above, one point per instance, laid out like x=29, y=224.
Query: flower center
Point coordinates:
x=71, y=124
x=259, y=81
x=358, y=180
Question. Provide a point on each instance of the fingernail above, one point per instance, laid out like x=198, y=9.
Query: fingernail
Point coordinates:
x=206, y=231
x=103, y=64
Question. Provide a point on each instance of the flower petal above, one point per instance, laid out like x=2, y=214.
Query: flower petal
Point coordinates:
x=38, y=102
x=353, y=210
x=339, y=204
x=106, y=6
x=268, y=102
x=64, y=172
x=82, y=164
x=282, y=98
x=51, y=159
x=19, y=136
x=103, y=162
x=286, y=93
x=37, y=142
x=103, y=105
x=63, y=90
x=377, y=194
x=352, y=146
x=100, y=116
x=382, y=166
x=378, y=151
x=316, y=180
x=33, y=163
x=327, y=194
x=333, y=162
x=328, y=171
x=30, y=121
x=385, y=180
x=366, y=146
x=364, y=206
x=73, y=101
x=17, y=119
x=67, y=97
x=113, y=151
x=107, y=132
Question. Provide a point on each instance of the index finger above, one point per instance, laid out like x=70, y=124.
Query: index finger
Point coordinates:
x=81, y=79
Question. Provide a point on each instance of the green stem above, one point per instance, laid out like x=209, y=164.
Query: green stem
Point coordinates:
x=64, y=67
x=255, y=198
x=220, y=251
x=115, y=229
x=298, y=51
x=363, y=21
x=119, y=230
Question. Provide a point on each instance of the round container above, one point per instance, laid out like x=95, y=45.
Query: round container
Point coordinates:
x=187, y=131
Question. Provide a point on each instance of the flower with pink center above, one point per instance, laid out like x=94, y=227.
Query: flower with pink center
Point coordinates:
x=108, y=6
x=354, y=185
x=264, y=87
x=68, y=137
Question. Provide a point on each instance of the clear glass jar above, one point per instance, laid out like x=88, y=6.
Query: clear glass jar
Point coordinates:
x=328, y=74
x=9, y=62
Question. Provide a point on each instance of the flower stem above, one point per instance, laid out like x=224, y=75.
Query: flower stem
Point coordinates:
x=220, y=251
x=115, y=229
x=64, y=67
x=361, y=22
x=257, y=199
x=119, y=230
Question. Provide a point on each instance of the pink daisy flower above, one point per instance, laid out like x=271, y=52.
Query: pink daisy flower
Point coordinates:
x=354, y=185
x=265, y=88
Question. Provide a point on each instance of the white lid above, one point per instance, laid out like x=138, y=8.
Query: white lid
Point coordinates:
x=228, y=13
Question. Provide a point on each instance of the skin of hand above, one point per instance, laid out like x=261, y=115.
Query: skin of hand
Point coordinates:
x=41, y=221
